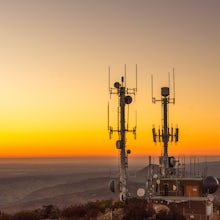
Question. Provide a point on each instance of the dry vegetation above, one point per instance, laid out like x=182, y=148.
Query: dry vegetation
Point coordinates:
x=138, y=209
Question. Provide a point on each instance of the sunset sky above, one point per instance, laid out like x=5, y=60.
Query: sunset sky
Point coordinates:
x=54, y=60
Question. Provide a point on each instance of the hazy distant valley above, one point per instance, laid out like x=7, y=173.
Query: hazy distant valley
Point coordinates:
x=32, y=184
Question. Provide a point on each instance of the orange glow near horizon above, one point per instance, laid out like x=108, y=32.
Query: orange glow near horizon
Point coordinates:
x=54, y=75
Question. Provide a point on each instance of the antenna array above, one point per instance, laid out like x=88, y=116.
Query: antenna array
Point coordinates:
x=165, y=134
x=125, y=99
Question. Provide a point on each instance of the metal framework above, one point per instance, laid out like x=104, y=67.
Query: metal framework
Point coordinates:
x=165, y=134
x=124, y=96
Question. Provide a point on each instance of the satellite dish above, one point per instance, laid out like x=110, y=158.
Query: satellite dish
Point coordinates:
x=210, y=184
x=128, y=99
x=128, y=151
x=172, y=161
x=174, y=187
x=155, y=176
x=112, y=186
x=140, y=192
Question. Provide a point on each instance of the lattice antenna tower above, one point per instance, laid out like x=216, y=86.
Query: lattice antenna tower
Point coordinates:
x=124, y=95
x=165, y=134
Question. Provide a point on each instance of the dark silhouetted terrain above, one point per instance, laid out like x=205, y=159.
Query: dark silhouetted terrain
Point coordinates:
x=30, y=184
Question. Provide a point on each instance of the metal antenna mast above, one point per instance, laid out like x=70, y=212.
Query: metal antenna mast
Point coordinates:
x=167, y=163
x=124, y=97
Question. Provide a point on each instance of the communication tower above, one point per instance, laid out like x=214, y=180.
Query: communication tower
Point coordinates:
x=168, y=186
x=166, y=134
x=125, y=99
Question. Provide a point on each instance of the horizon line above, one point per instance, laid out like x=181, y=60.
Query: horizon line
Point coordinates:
x=97, y=156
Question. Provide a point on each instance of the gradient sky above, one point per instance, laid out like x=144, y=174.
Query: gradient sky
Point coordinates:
x=54, y=59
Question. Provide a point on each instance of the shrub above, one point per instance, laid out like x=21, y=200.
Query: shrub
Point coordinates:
x=4, y=216
x=76, y=211
x=171, y=215
x=25, y=215
x=49, y=211
x=135, y=209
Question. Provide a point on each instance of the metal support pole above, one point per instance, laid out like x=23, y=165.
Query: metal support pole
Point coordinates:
x=166, y=134
x=123, y=165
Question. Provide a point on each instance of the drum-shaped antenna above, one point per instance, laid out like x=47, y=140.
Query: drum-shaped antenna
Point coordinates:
x=165, y=91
